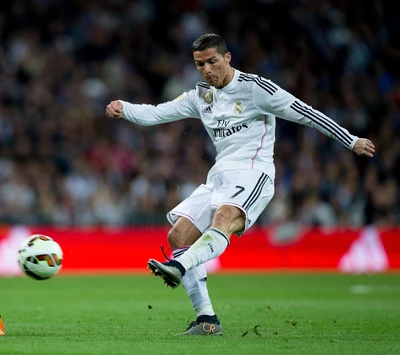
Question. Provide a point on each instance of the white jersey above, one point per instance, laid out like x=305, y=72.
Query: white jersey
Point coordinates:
x=240, y=119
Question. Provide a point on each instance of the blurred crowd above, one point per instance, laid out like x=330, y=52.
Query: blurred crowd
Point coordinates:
x=63, y=162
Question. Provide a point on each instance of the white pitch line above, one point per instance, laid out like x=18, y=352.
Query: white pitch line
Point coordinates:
x=365, y=289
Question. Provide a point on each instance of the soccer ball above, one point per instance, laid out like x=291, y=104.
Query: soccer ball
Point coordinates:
x=40, y=257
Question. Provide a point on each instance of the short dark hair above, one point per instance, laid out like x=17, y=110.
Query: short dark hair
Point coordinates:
x=210, y=40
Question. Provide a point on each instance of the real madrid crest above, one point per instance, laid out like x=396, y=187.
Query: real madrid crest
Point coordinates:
x=238, y=108
x=209, y=96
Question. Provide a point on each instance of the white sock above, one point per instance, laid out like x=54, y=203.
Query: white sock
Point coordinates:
x=195, y=284
x=209, y=246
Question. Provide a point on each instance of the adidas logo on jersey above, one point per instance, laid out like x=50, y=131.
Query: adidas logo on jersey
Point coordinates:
x=207, y=110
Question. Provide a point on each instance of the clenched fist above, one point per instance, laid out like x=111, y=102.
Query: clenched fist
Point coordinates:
x=364, y=147
x=114, y=109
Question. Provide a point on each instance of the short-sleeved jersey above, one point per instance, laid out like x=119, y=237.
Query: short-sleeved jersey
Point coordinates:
x=240, y=119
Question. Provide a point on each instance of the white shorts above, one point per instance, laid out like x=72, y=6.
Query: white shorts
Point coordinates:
x=248, y=190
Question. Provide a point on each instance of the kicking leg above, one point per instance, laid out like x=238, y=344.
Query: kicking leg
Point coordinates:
x=226, y=221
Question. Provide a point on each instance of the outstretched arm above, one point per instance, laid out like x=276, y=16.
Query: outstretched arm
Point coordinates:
x=282, y=104
x=148, y=115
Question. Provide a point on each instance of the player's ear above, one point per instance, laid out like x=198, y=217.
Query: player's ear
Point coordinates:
x=228, y=57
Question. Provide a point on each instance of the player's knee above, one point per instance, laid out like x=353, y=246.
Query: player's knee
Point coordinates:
x=176, y=238
x=228, y=219
x=226, y=214
x=220, y=216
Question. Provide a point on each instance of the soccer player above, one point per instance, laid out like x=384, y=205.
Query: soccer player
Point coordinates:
x=238, y=111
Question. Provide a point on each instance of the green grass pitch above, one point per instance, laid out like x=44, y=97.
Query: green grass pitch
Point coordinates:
x=261, y=314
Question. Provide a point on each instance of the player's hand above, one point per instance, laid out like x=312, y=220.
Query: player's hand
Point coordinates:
x=364, y=147
x=114, y=109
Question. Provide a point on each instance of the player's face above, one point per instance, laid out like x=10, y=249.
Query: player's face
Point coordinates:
x=214, y=67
